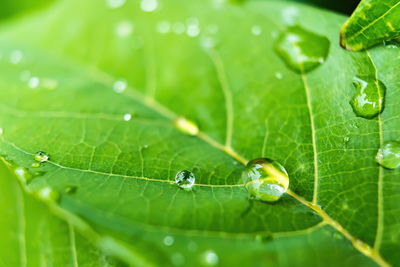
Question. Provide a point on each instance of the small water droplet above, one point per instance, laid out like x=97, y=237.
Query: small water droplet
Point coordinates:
x=346, y=139
x=41, y=157
x=16, y=56
x=119, y=85
x=211, y=258
x=302, y=50
x=127, y=117
x=256, y=30
x=115, y=3
x=70, y=189
x=279, y=75
x=168, y=240
x=145, y=146
x=23, y=174
x=388, y=155
x=369, y=99
x=186, y=126
x=163, y=27
x=178, y=27
x=265, y=179
x=148, y=5
x=185, y=179
x=33, y=82
x=36, y=165
x=48, y=194
x=1, y=131
x=193, y=28
x=124, y=29
x=177, y=259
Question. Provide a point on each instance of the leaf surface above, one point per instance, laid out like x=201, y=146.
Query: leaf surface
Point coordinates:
x=247, y=104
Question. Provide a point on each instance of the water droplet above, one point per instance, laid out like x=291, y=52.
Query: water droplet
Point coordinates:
x=388, y=155
x=119, y=85
x=178, y=27
x=185, y=179
x=256, y=30
x=71, y=189
x=36, y=165
x=41, y=157
x=33, y=82
x=186, y=126
x=265, y=179
x=148, y=5
x=127, y=117
x=346, y=139
x=1, y=131
x=124, y=29
x=302, y=50
x=168, y=240
x=211, y=258
x=193, y=28
x=115, y=3
x=23, y=174
x=177, y=259
x=163, y=27
x=369, y=99
x=48, y=194
x=279, y=75
x=16, y=56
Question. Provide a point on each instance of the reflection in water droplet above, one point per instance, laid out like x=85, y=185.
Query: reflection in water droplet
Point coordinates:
x=127, y=117
x=265, y=179
x=163, y=27
x=41, y=157
x=124, y=29
x=115, y=3
x=388, y=155
x=369, y=99
x=33, y=82
x=302, y=50
x=119, y=86
x=186, y=126
x=211, y=258
x=168, y=240
x=16, y=56
x=256, y=30
x=185, y=179
x=148, y=5
x=71, y=189
x=48, y=194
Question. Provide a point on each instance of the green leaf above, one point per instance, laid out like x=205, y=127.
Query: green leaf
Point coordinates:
x=10, y=8
x=373, y=22
x=33, y=236
x=59, y=98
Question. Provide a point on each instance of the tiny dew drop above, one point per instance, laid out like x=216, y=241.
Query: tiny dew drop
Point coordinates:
x=388, y=155
x=302, y=50
x=119, y=86
x=265, y=179
x=211, y=258
x=185, y=179
x=36, y=164
x=41, y=157
x=48, y=194
x=168, y=240
x=369, y=99
x=186, y=126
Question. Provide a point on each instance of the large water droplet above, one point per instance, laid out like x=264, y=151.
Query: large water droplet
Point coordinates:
x=302, y=50
x=265, y=179
x=369, y=99
x=185, y=179
x=48, y=194
x=388, y=155
x=186, y=126
x=41, y=157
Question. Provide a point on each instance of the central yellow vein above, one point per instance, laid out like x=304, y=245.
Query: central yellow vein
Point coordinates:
x=219, y=67
x=379, y=230
x=21, y=226
x=72, y=244
x=313, y=139
x=374, y=21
